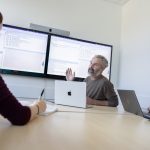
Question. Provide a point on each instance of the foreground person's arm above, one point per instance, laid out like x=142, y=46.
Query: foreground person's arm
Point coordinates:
x=16, y=113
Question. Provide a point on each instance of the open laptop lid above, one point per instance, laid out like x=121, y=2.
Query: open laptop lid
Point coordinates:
x=70, y=93
x=130, y=101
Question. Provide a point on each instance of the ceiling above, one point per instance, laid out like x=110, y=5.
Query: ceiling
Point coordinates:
x=119, y=2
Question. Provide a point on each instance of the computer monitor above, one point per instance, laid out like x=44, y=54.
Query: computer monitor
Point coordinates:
x=22, y=50
x=74, y=53
x=34, y=53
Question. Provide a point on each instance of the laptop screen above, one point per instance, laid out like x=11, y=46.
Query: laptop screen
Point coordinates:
x=130, y=102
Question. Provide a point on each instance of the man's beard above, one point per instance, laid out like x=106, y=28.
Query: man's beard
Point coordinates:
x=94, y=73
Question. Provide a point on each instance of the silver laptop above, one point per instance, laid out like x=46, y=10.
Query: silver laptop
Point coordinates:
x=70, y=93
x=131, y=104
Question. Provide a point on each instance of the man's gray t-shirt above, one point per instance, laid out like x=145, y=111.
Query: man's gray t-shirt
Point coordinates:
x=101, y=89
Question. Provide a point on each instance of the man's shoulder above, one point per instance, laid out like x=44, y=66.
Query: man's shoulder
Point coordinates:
x=105, y=80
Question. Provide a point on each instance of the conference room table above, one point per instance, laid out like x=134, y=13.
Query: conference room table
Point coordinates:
x=70, y=128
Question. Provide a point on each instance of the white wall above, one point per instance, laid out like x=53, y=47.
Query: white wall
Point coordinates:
x=29, y=87
x=94, y=20
x=135, y=49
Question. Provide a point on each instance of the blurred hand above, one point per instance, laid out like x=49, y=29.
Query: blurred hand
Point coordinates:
x=69, y=75
x=90, y=101
x=41, y=104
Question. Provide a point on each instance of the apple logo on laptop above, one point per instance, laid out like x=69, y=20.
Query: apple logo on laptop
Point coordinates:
x=69, y=93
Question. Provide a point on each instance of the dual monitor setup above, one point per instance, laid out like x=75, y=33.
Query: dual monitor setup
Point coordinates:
x=36, y=53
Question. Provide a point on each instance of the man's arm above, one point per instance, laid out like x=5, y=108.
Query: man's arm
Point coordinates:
x=113, y=102
x=91, y=101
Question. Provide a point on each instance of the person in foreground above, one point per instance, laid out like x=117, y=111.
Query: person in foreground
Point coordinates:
x=10, y=107
x=99, y=90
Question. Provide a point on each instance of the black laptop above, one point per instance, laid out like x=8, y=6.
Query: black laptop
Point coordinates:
x=131, y=104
